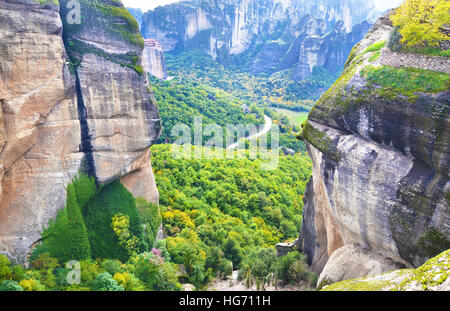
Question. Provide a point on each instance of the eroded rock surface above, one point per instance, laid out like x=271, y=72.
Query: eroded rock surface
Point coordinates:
x=73, y=99
x=434, y=275
x=380, y=176
x=265, y=36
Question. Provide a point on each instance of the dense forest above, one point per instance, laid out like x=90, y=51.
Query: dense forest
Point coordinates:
x=217, y=216
x=183, y=98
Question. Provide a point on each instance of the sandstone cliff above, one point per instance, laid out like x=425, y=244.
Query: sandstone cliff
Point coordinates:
x=265, y=36
x=74, y=98
x=153, y=60
x=379, y=141
x=434, y=275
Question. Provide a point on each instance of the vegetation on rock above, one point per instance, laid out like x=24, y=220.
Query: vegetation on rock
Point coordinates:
x=429, y=276
x=422, y=22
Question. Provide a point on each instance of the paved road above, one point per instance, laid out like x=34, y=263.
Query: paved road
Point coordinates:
x=265, y=130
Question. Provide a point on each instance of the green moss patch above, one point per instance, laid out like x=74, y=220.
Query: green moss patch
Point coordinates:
x=430, y=275
x=320, y=140
x=128, y=28
x=79, y=49
x=408, y=80
x=375, y=47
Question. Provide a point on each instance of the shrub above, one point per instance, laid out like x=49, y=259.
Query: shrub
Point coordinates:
x=105, y=282
x=32, y=285
x=293, y=268
x=44, y=261
x=129, y=282
x=376, y=47
x=10, y=286
x=66, y=238
x=420, y=21
x=151, y=218
x=394, y=40
x=85, y=189
x=18, y=272
x=5, y=268
x=225, y=267
x=111, y=200
x=112, y=266
x=156, y=274
x=407, y=80
x=233, y=251
x=89, y=271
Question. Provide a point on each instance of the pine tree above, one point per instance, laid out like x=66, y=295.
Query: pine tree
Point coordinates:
x=77, y=233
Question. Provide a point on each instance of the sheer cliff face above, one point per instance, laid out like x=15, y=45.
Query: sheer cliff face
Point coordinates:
x=73, y=99
x=379, y=195
x=153, y=61
x=268, y=35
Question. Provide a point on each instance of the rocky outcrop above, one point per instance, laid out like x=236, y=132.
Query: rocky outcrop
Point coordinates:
x=153, y=59
x=380, y=157
x=434, y=275
x=264, y=36
x=74, y=98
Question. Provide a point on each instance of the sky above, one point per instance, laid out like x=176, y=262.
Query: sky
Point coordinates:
x=146, y=5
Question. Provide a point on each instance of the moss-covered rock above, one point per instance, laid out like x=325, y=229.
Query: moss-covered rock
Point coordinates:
x=431, y=276
x=381, y=157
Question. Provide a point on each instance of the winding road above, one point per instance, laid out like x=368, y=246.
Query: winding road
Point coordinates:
x=265, y=130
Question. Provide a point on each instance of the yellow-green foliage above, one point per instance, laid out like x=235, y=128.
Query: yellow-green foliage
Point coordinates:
x=129, y=281
x=31, y=285
x=376, y=47
x=431, y=274
x=407, y=80
x=121, y=224
x=129, y=28
x=420, y=21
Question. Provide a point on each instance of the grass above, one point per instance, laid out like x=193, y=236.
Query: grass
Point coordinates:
x=375, y=47
x=375, y=56
x=407, y=80
x=295, y=117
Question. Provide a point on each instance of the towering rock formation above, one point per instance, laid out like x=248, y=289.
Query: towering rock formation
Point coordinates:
x=153, y=59
x=379, y=195
x=264, y=35
x=73, y=98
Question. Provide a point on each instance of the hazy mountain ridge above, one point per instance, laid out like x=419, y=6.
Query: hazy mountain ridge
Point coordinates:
x=264, y=36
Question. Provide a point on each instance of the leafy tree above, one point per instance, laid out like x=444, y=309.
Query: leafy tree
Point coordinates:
x=293, y=268
x=129, y=281
x=105, y=282
x=421, y=22
x=233, y=251
x=5, y=268
x=151, y=218
x=121, y=224
x=111, y=200
x=10, y=286
x=32, y=285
